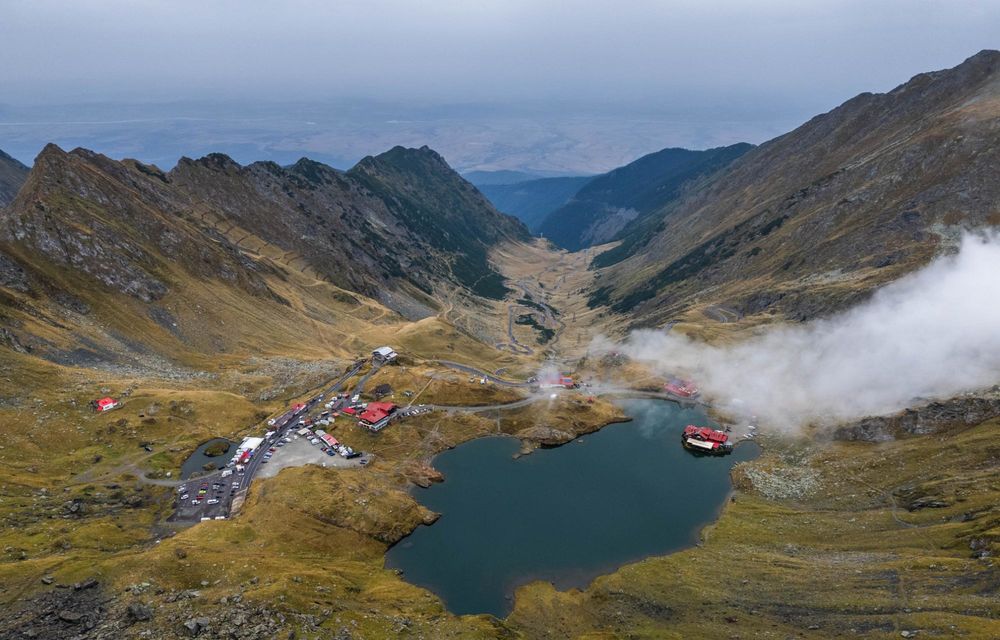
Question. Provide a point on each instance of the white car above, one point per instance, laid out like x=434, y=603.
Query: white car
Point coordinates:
x=213, y=501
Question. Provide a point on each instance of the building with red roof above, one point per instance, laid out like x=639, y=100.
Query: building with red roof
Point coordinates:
x=105, y=404
x=376, y=415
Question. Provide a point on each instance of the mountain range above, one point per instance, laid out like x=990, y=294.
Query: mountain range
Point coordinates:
x=127, y=242
x=609, y=203
x=533, y=200
x=814, y=220
x=211, y=296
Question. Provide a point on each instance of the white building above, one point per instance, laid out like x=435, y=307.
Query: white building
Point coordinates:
x=384, y=354
x=249, y=444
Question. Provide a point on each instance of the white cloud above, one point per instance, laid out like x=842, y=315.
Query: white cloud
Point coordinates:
x=935, y=333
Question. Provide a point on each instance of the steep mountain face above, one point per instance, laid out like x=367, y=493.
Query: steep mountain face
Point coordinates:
x=607, y=204
x=434, y=203
x=82, y=214
x=12, y=176
x=86, y=232
x=533, y=200
x=392, y=228
x=814, y=219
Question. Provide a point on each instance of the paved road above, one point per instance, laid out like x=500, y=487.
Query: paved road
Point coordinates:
x=722, y=314
x=234, y=486
x=458, y=366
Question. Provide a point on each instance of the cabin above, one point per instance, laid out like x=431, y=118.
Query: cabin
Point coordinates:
x=104, y=404
x=383, y=355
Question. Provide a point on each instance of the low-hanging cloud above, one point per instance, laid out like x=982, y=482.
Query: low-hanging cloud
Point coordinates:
x=934, y=333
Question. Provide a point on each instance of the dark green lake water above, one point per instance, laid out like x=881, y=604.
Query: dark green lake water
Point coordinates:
x=195, y=463
x=564, y=515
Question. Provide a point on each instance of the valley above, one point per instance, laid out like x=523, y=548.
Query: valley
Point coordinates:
x=318, y=535
x=337, y=334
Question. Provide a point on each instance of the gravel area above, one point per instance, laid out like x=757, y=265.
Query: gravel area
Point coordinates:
x=300, y=452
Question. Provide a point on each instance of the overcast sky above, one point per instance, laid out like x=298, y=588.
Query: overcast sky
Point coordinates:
x=729, y=59
x=472, y=50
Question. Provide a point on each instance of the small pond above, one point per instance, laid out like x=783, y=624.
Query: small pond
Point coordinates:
x=196, y=461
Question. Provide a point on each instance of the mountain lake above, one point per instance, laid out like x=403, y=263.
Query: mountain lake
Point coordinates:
x=566, y=514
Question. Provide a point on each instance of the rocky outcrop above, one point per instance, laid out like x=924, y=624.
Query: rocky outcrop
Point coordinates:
x=929, y=418
x=421, y=474
x=544, y=436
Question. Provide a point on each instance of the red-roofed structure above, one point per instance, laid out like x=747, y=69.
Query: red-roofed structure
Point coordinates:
x=706, y=440
x=376, y=415
x=330, y=440
x=682, y=388
x=105, y=404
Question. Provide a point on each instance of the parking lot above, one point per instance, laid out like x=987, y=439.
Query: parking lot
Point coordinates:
x=213, y=504
x=299, y=452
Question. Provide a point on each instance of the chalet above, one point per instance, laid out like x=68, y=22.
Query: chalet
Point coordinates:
x=376, y=415
x=384, y=354
x=105, y=404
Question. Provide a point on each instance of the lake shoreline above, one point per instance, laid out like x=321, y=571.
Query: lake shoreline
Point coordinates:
x=571, y=577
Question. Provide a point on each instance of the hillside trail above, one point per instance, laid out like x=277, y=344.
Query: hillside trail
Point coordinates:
x=556, y=283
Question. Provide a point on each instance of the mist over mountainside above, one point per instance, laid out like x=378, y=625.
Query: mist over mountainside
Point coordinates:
x=611, y=202
x=12, y=176
x=931, y=334
x=532, y=200
x=813, y=220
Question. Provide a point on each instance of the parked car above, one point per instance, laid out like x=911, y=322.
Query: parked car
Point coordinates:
x=185, y=496
x=213, y=501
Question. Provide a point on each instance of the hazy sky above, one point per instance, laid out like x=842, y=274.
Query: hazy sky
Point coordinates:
x=760, y=60
x=459, y=50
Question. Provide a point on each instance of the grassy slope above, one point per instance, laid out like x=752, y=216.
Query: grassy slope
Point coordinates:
x=837, y=561
x=315, y=537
